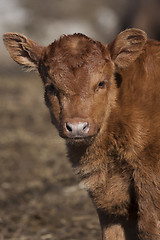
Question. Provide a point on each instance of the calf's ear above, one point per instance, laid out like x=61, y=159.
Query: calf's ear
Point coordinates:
x=23, y=50
x=127, y=47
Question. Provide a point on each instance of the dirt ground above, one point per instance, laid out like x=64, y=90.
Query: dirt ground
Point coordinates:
x=40, y=198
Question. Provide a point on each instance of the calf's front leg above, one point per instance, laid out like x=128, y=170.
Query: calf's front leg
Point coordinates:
x=118, y=228
x=113, y=232
x=148, y=191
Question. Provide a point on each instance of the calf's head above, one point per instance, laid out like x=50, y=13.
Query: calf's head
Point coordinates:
x=79, y=76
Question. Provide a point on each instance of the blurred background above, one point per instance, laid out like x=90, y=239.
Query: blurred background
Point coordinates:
x=40, y=197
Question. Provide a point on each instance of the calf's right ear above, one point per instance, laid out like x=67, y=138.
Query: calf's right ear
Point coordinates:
x=23, y=50
x=127, y=46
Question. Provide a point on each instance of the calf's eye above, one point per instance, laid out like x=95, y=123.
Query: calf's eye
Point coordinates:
x=101, y=84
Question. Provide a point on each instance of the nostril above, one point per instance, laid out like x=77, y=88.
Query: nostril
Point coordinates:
x=86, y=127
x=77, y=129
x=68, y=127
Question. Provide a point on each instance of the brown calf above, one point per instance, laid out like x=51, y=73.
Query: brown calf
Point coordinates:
x=105, y=101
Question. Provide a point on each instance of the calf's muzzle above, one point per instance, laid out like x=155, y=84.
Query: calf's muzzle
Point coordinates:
x=76, y=128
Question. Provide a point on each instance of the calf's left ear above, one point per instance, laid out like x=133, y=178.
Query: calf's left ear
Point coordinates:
x=127, y=47
x=23, y=50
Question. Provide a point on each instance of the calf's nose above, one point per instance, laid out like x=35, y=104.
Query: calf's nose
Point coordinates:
x=77, y=129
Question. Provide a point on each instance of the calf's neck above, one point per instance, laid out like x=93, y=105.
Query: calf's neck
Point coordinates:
x=104, y=99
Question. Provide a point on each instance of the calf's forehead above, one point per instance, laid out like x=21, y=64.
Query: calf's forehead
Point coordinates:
x=75, y=62
x=77, y=79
